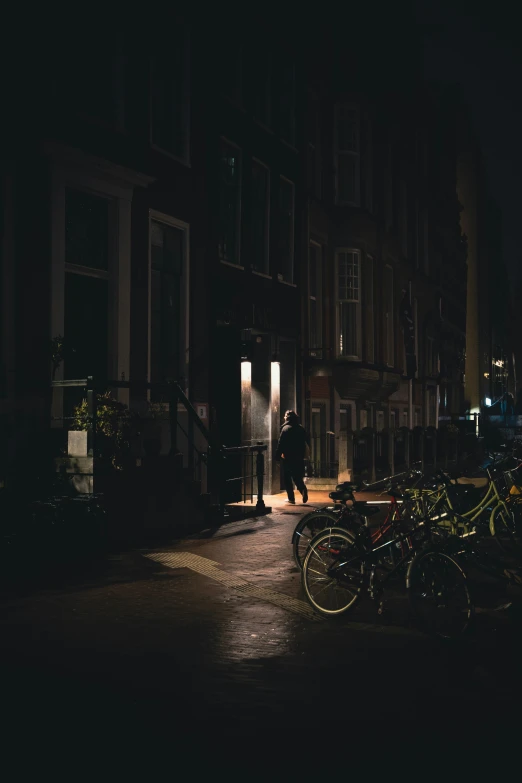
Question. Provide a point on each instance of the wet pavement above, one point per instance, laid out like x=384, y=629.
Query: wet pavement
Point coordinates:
x=210, y=638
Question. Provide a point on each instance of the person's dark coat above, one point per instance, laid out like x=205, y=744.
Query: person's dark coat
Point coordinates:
x=292, y=443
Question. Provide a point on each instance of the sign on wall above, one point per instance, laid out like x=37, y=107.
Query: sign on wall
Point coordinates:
x=202, y=410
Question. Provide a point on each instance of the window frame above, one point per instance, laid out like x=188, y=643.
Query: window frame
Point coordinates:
x=168, y=220
x=355, y=154
x=280, y=277
x=237, y=262
x=184, y=159
x=266, y=266
x=350, y=357
x=73, y=169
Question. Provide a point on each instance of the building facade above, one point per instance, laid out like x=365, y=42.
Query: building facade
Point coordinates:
x=256, y=230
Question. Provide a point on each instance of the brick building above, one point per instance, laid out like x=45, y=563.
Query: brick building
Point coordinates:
x=242, y=211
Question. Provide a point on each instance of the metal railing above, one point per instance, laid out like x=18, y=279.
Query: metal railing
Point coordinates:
x=216, y=457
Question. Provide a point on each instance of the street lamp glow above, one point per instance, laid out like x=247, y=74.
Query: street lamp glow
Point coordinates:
x=488, y=402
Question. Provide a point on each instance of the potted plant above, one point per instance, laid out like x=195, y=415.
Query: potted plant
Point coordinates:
x=113, y=427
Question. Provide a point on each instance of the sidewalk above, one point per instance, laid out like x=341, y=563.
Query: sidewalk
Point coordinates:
x=316, y=499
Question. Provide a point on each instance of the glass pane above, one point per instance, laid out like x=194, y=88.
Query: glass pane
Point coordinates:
x=286, y=230
x=348, y=270
x=348, y=329
x=86, y=230
x=259, y=218
x=86, y=312
x=230, y=201
x=167, y=261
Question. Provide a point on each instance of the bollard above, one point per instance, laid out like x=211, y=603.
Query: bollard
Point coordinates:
x=260, y=472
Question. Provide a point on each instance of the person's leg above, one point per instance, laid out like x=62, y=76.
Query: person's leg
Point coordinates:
x=298, y=476
x=289, y=484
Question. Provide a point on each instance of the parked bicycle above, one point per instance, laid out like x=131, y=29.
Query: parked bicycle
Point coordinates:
x=341, y=564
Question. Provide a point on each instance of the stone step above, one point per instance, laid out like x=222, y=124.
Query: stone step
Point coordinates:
x=324, y=484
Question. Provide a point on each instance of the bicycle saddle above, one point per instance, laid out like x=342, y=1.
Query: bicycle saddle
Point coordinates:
x=346, y=486
x=341, y=495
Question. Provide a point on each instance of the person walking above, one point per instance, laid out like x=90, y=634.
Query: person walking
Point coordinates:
x=292, y=448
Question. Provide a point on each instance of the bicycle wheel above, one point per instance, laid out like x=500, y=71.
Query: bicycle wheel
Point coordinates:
x=502, y=528
x=308, y=527
x=439, y=594
x=333, y=572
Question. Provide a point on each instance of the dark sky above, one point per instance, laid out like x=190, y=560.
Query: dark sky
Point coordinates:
x=481, y=50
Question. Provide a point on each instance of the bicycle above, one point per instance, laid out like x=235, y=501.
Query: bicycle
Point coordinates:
x=491, y=513
x=350, y=517
x=340, y=564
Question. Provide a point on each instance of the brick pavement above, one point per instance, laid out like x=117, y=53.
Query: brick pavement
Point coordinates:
x=138, y=646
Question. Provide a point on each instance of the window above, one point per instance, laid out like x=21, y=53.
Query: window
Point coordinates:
x=349, y=303
x=379, y=424
x=389, y=320
x=286, y=82
x=169, y=98
x=363, y=419
x=347, y=164
x=260, y=217
x=90, y=233
x=230, y=203
x=86, y=292
x=393, y=419
x=167, y=300
x=315, y=338
x=370, y=315
x=286, y=230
